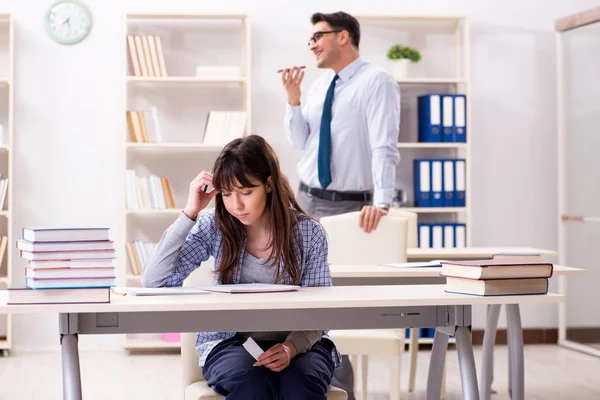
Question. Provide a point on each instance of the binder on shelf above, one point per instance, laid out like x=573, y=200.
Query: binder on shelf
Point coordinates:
x=448, y=188
x=437, y=236
x=424, y=237
x=459, y=182
x=449, y=235
x=447, y=118
x=436, y=183
x=422, y=182
x=460, y=235
x=429, y=110
x=460, y=118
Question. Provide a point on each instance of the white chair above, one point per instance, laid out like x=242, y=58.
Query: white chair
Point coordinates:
x=194, y=384
x=349, y=244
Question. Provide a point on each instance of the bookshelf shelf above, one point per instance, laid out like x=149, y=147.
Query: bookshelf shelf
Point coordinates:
x=172, y=84
x=444, y=43
x=7, y=164
x=186, y=80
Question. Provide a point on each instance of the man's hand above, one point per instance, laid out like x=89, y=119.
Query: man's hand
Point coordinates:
x=278, y=357
x=291, y=79
x=369, y=218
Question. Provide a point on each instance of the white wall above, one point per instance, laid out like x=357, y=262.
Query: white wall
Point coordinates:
x=69, y=103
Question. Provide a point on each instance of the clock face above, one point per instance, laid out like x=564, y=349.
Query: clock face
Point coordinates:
x=68, y=22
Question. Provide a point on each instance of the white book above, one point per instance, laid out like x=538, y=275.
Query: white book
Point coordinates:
x=156, y=123
x=49, y=264
x=131, y=190
x=65, y=234
x=68, y=255
x=162, y=291
x=250, y=288
x=69, y=283
x=64, y=246
x=61, y=273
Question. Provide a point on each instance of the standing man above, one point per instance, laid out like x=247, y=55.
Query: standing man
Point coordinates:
x=348, y=129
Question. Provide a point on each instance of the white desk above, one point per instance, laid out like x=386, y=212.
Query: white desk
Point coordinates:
x=349, y=307
x=380, y=275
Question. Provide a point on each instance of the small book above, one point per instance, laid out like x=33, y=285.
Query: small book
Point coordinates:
x=70, y=283
x=250, y=288
x=64, y=246
x=497, y=287
x=49, y=264
x=26, y=295
x=68, y=255
x=496, y=269
x=161, y=291
x=61, y=273
x=66, y=234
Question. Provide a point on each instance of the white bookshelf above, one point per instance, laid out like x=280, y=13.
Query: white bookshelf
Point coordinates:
x=183, y=101
x=444, y=43
x=6, y=163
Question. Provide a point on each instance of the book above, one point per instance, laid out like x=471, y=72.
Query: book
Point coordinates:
x=26, y=295
x=66, y=234
x=250, y=288
x=497, y=287
x=44, y=264
x=68, y=255
x=496, y=269
x=60, y=273
x=162, y=291
x=518, y=256
x=64, y=246
x=69, y=283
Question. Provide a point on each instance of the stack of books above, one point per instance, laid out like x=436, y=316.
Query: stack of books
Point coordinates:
x=76, y=263
x=502, y=276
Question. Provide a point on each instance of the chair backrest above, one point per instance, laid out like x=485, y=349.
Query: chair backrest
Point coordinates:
x=349, y=244
x=412, y=225
x=190, y=368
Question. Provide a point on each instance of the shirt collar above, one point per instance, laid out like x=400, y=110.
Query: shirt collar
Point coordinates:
x=349, y=70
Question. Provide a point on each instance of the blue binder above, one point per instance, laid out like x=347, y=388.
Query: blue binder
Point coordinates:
x=448, y=118
x=449, y=182
x=430, y=114
x=459, y=182
x=437, y=183
x=422, y=182
x=460, y=118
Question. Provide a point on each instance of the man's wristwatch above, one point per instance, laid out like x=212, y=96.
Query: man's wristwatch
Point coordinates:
x=383, y=206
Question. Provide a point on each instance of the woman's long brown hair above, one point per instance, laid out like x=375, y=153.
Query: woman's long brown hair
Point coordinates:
x=241, y=163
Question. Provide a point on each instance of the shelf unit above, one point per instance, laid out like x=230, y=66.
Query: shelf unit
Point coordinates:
x=440, y=39
x=182, y=101
x=6, y=162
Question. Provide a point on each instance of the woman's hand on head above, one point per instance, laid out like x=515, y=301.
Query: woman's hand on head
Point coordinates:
x=197, y=199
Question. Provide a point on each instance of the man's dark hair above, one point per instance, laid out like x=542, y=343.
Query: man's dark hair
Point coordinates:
x=340, y=20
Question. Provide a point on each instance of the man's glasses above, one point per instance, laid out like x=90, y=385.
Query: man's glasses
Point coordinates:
x=318, y=35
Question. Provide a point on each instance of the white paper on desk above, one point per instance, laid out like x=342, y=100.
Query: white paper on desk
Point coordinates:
x=413, y=265
x=162, y=291
x=253, y=348
x=250, y=288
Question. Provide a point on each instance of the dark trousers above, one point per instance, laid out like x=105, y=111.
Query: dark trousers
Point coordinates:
x=228, y=370
x=343, y=377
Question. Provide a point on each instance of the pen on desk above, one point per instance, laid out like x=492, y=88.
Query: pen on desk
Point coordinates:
x=118, y=293
x=281, y=70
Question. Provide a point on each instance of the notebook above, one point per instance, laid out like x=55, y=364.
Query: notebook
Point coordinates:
x=251, y=288
x=162, y=291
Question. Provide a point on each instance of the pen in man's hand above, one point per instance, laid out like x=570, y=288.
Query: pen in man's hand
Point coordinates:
x=281, y=70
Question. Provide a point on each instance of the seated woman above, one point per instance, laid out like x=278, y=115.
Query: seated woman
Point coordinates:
x=256, y=233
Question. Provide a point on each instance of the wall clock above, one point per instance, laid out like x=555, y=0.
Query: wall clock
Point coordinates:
x=68, y=21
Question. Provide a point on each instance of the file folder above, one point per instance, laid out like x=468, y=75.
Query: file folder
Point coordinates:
x=449, y=236
x=448, y=188
x=459, y=183
x=430, y=114
x=437, y=236
x=460, y=118
x=460, y=236
x=422, y=183
x=436, y=184
x=448, y=118
x=424, y=236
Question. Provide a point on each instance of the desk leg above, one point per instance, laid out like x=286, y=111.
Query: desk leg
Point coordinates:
x=68, y=327
x=436, y=365
x=489, y=339
x=516, y=356
x=466, y=362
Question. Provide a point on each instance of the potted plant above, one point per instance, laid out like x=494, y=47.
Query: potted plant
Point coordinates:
x=400, y=55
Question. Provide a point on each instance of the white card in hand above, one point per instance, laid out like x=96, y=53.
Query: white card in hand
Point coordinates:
x=252, y=348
